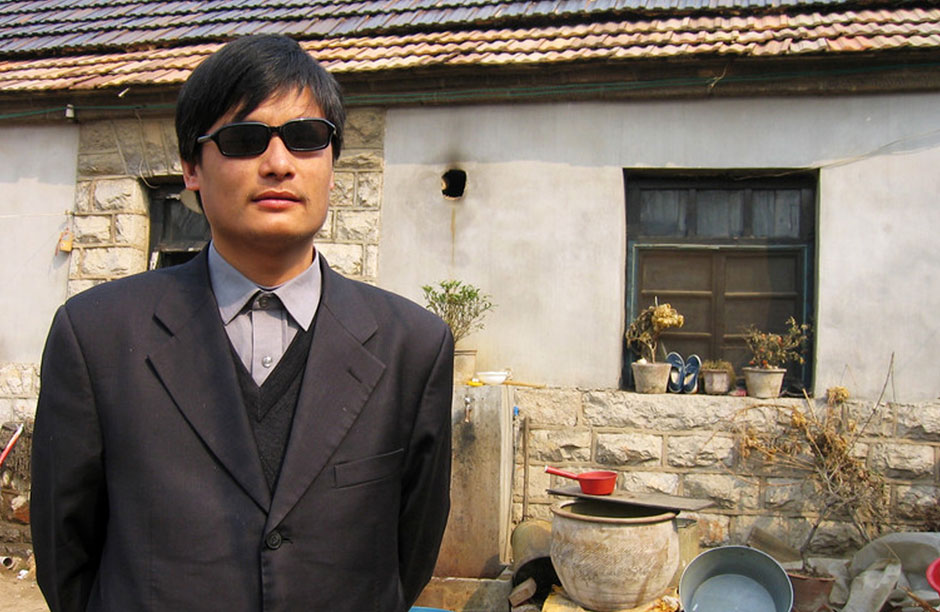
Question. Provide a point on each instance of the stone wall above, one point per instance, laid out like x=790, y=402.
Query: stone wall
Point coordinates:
x=118, y=158
x=19, y=386
x=685, y=445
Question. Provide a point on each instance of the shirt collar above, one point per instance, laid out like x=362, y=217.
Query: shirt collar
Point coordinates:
x=300, y=295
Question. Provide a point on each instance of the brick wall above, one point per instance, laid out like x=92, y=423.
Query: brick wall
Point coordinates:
x=685, y=445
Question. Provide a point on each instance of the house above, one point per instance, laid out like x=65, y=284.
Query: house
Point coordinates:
x=744, y=160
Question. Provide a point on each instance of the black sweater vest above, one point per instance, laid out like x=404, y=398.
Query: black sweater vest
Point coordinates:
x=271, y=406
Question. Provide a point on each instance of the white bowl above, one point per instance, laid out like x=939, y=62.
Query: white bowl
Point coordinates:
x=492, y=378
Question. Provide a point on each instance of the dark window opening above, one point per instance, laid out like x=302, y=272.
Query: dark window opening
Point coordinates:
x=726, y=250
x=177, y=233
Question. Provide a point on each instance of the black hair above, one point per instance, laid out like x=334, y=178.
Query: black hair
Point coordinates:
x=242, y=75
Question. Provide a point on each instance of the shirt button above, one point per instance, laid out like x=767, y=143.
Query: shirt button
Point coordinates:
x=274, y=540
x=267, y=361
x=264, y=301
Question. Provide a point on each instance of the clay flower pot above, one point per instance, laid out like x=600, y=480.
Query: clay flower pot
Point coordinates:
x=651, y=377
x=717, y=382
x=811, y=593
x=763, y=382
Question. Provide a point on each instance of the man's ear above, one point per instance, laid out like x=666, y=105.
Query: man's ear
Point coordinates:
x=190, y=175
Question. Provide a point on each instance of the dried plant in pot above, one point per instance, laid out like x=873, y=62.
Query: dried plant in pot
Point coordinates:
x=643, y=339
x=770, y=353
x=718, y=376
x=820, y=444
x=463, y=307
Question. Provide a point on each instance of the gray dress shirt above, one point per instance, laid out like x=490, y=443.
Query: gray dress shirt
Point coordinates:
x=262, y=321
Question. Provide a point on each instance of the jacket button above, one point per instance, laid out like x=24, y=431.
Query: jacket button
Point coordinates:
x=273, y=541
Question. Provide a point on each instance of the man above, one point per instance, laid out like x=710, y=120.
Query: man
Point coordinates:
x=248, y=431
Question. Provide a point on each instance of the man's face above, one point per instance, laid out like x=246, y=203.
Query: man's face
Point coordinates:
x=269, y=203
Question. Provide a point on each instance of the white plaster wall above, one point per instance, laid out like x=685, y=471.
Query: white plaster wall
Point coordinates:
x=542, y=225
x=37, y=183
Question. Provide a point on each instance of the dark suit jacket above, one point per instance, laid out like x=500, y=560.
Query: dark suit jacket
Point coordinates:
x=148, y=492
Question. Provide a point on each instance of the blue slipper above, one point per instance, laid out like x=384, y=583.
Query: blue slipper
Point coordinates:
x=690, y=374
x=676, y=374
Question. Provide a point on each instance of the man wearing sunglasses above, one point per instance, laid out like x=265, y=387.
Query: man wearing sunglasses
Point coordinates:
x=248, y=431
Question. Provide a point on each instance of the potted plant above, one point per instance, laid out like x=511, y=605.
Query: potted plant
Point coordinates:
x=769, y=354
x=643, y=339
x=717, y=376
x=819, y=444
x=462, y=306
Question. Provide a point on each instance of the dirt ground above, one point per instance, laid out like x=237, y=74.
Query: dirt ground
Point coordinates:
x=20, y=595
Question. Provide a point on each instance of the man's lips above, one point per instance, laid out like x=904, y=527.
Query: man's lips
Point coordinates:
x=276, y=199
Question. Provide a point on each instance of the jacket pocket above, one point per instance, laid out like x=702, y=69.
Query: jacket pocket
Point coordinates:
x=369, y=469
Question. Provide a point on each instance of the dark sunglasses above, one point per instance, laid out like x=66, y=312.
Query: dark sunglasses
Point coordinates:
x=248, y=138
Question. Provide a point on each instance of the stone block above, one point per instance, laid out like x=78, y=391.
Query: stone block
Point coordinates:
x=83, y=198
x=101, y=164
x=76, y=286
x=788, y=494
x=96, y=137
x=20, y=510
x=112, y=262
x=534, y=510
x=549, y=406
x=467, y=594
x=700, y=450
x=130, y=144
x=629, y=449
x=326, y=231
x=369, y=190
x=371, y=269
x=92, y=229
x=649, y=482
x=836, y=538
x=360, y=160
x=728, y=492
x=168, y=127
x=19, y=380
x=898, y=460
x=120, y=195
x=159, y=160
x=539, y=483
x=919, y=421
x=345, y=258
x=365, y=129
x=560, y=445
x=357, y=226
x=22, y=409
x=344, y=189
x=715, y=529
x=913, y=502
x=660, y=412
x=132, y=230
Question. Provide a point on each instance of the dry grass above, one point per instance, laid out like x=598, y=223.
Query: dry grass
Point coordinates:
x=821, y=445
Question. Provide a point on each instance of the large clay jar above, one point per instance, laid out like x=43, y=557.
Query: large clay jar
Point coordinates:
x=610, y=556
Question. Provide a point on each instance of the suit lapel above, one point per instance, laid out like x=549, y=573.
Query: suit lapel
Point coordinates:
x=197, y=370
x=339, y=377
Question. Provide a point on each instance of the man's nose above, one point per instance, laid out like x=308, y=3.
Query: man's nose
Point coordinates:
x=277, y=159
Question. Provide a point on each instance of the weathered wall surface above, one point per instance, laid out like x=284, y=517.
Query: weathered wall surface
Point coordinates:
x=542, y=225
x=685, y=445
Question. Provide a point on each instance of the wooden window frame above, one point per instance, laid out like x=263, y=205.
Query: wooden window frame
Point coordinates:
x=721, y=340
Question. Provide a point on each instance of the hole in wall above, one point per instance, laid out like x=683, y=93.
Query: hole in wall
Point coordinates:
x=453, y=183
